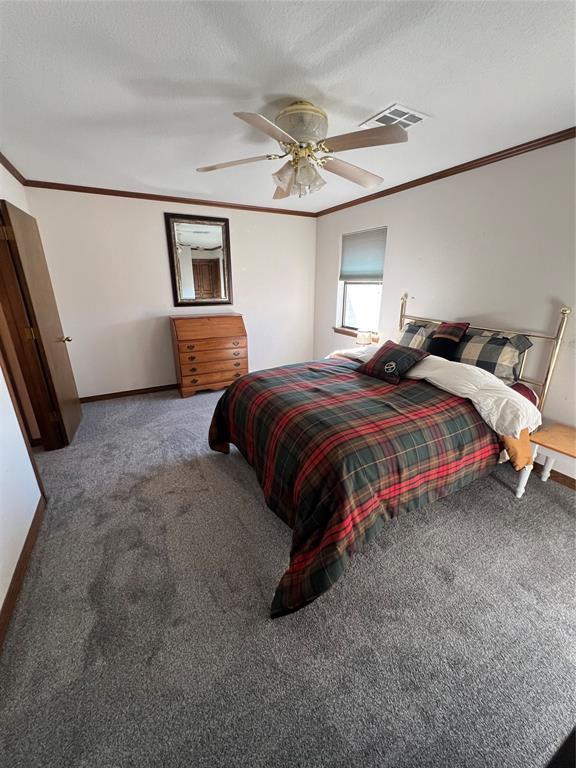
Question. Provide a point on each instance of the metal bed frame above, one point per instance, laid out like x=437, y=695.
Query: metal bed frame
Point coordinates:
x=555, y=341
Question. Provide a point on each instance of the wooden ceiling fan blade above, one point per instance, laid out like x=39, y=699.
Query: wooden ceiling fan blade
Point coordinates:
x=351, y=172
x=372, y=137
x=217, y=166
x=266, y=126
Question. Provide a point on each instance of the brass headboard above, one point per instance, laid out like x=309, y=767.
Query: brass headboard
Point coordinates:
x=555, y=340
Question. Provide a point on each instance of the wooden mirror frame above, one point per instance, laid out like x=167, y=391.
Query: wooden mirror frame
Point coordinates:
x=170, y=220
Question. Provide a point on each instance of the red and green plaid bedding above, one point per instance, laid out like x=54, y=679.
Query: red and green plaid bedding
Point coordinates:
x=337, y=453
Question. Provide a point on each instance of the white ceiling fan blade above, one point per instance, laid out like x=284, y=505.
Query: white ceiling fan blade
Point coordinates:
x=372, y=137
x=263, y=124
x=217, y=166
x=351, y=172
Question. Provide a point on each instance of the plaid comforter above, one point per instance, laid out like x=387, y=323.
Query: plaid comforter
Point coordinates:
x=337, y=453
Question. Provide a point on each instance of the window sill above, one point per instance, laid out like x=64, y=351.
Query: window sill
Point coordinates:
x=344, y=331
x=350, y=332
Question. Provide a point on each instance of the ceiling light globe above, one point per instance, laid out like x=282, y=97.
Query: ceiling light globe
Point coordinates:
x=305, y=173
x=304, y=121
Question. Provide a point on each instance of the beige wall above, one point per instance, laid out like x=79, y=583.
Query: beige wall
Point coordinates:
x=109, y=265
x=494, y=246
x=19, y=491
x=12, y=190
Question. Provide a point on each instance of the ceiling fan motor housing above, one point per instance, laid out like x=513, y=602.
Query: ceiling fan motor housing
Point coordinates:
x=303, y=120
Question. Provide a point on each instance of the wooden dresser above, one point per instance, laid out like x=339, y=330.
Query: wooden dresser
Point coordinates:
x=211, y=351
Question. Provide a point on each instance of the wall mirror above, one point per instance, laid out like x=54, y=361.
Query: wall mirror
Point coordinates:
x=199, y=251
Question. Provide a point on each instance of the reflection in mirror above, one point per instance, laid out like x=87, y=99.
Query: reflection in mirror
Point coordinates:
x=199, y=259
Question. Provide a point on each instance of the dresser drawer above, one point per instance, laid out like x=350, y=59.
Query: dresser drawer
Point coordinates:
x=234, y=342
x=208, y=327
x=207, y=355
x=191, y=369
x=225, y=377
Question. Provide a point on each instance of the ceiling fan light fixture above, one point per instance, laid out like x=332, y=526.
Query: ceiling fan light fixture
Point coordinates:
x=307, y=178
x=284, y=176
x=303, y=120
x=305, y=172
x=306, y=140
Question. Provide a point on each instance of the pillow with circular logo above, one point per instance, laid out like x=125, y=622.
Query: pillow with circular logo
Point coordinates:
x=392, y=361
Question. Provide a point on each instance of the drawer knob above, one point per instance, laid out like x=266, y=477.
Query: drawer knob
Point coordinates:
x=191, y=346
x=236, y=375
x=236, y=354
x=192, y=370
x=191, y=357
x=236, y=365
x=235, y=343
x=194, y=381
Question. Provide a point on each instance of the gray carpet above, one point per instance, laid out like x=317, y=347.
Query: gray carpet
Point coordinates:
x=142, y=635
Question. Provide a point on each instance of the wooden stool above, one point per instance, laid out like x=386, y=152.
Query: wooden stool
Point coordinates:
x=557, y=438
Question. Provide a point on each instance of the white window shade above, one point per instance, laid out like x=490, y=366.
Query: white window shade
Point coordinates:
x=363, y=255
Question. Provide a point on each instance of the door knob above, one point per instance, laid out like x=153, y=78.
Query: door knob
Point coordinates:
x=65, y=338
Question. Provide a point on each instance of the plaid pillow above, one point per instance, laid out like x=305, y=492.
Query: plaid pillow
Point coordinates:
x=498, y=354
x=416, y=335
x=518, y=341
x=446, y=338
x=392, y=361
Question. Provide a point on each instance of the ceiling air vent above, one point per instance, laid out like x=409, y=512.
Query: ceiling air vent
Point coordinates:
x=396, y=114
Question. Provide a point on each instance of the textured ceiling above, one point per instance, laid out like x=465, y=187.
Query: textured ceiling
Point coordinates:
x=135, y=95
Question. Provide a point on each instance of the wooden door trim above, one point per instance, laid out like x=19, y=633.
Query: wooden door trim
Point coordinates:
x=31, y=361
x=27, y=253
x=16, y=260
x=17, y=399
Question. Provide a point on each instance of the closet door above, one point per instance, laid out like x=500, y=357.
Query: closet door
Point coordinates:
x=23, y=240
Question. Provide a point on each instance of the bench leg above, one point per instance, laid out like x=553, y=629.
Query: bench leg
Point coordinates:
x=548, y=464
x=525, y=474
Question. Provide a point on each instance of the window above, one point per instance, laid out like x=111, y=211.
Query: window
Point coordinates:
x=360, y=286
x=361, y=305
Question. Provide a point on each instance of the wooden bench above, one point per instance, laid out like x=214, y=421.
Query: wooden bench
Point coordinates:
x=556, y=438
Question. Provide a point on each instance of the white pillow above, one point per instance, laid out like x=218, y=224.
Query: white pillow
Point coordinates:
x=360, y=353
x=506, y=411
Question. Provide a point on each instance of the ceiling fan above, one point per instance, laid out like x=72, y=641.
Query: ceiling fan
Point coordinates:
x=300, y=129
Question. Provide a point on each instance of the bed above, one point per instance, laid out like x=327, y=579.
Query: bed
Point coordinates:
x=337, y=453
